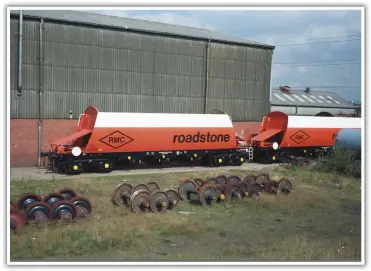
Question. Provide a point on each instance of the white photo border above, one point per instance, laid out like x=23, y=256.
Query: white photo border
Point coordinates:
x=131, y=5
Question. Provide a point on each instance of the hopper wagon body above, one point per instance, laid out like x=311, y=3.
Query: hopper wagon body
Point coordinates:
x=284, y=135
x=105, y=140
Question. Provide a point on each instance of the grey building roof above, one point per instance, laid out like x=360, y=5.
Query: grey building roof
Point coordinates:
x=130, y=24
x=311, y=99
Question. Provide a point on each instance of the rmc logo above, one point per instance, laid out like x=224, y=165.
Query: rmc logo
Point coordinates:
x=299, y=137
x=116, y=139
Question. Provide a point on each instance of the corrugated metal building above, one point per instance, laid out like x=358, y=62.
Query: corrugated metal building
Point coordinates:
x=311, y=103
x=75, y=59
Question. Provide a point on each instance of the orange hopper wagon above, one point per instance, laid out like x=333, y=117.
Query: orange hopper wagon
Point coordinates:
x=105, y=140
x=284, y=135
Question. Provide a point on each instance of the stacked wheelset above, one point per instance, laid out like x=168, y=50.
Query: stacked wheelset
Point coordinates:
x=144, y=198
x=232, y=188
x=64, y=205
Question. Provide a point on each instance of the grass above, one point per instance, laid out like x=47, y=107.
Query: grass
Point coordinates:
x=320, y=220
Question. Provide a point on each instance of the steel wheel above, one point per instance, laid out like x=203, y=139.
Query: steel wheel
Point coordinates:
x=287, y=180
x=284, y=187
x=173, y=198
x=53, y=198
x=27, y=199
x=39, y=211
x=64, y=211
x=255, y=190
x=250, y=179
x=199, y=182
x=233, y=178
x=17, y=221
x=140, y=187
x=262, y=179
x=186, y=187
x=212, y=181
x=233, y=191
x=271, y=187
x=158, y=201
x=153, y=186
x=207, y=195
x=221, y=179
x=67, y=193
x=83, y=206
x=122, y=194
x=140, y=201
x=245, y=189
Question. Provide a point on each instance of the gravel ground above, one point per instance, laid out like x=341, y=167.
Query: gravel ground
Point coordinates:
x=34, y=173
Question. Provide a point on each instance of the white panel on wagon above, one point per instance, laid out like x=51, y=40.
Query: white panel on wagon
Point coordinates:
x=160, y=120
x=324, y=122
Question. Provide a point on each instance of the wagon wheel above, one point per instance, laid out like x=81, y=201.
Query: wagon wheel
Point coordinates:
x=285, y=179
x=199, y=182
x=284, y=187
x=121, y=194
x=64, y=211
x=233, y=178
x=140, y=201
x=255, y=190
x=53, y=198
x=173, y=198
x=262, y=179
x=221, y=188
x=17, y=220
x=38, y=211
x=221, y=179
x=83, y=206
x=245, y=189
x=153, y=186
x=140, y=187
x=271, y=187
x=212, y=181
x=158, y=201
x=233, y=191
x=185, y=188
x=207, y=195
x=27, y=199
x=250, y=179
x=67, y=193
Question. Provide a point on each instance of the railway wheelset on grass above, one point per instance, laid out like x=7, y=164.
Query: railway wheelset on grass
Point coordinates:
x=143, y=198
x=232, y=188
x=64, y=205
x=107, y=140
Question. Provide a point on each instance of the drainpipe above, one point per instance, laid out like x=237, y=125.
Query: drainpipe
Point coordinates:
x=20, y=57
x=39, y=123
x=206, y=75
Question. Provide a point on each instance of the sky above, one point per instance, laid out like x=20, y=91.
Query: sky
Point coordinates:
x=328, y=42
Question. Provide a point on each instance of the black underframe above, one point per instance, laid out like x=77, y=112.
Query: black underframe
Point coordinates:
x=209, y=157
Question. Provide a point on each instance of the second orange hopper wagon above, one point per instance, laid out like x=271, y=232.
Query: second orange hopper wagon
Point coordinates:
x=281, y=134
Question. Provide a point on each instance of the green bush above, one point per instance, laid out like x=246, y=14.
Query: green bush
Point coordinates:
x=342, y=161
